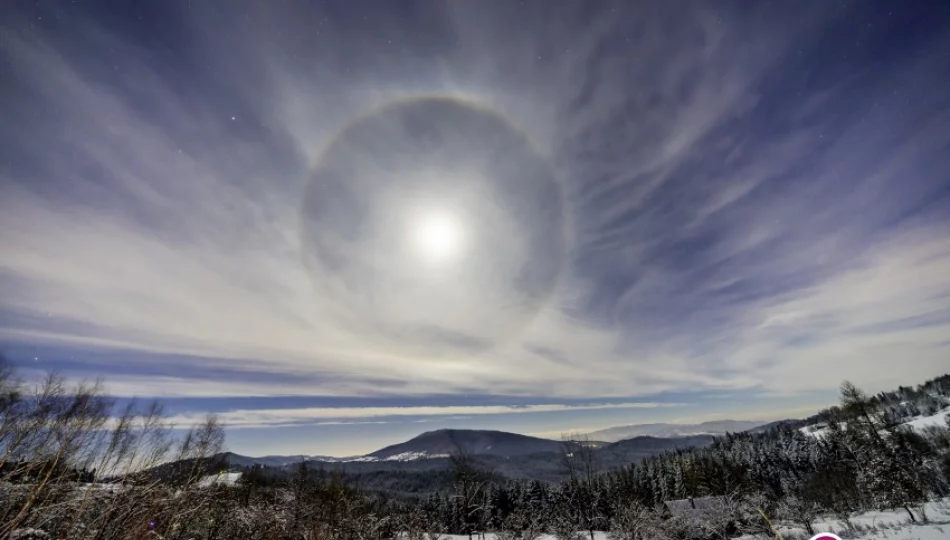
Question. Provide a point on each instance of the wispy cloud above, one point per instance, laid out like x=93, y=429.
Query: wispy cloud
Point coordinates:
x=744, y=211
x=248, y=418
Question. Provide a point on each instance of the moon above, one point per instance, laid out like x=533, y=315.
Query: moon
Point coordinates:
x=437, y=236
x=432, y=226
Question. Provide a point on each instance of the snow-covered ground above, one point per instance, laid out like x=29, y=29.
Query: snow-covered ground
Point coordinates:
x=920, y=422
x=412, y=456
x=598, y=535
x=405, y=456
x=891, y=525
x=939, y=419
x=228, y=479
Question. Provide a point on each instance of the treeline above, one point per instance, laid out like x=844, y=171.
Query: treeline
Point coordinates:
x=901, y=405
x=71, y=466
x=864, y=461
x=394, y=484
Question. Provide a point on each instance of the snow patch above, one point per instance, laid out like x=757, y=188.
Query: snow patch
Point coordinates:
x=938, y=419
x=413, y=456
x=361, y=459
x=28, y=534
x=889, y=525
x=885, y=525
x=404, y=456
x=224, y=479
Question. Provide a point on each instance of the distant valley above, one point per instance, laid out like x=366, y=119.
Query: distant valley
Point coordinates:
x=420, y=464
x=638, y=439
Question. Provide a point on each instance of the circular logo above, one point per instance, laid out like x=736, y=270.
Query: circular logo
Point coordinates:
x=825, y=536
x=432, y=225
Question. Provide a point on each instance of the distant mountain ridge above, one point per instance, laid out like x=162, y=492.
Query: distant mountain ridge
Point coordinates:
x=487, y=444
x=420, y=465
x=443, y=442
x=237, y=460
x=668, y=430
x=645, y=446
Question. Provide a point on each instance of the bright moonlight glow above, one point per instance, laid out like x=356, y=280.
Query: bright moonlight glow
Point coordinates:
x=437, y=236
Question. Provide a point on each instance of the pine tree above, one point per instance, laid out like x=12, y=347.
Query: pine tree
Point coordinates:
x=899, y=470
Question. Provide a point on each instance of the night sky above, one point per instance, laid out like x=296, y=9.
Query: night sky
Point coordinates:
x=340, y=224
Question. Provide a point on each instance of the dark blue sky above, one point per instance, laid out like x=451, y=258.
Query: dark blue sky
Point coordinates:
x=339, y=224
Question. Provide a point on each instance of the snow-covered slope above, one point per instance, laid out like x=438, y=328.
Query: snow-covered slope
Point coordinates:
x=939, y=419
x=403, y=456
x=227, y=479
x=889, y=525
x=892, y=525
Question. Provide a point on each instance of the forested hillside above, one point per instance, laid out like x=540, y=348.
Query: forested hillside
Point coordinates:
x=867, y=460
x=73, y=468
x=420, y=473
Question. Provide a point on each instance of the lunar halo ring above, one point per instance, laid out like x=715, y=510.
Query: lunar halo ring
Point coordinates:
x=344, y=279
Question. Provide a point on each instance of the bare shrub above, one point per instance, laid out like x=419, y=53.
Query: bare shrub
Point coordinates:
x=634, y=522
x=521, y=526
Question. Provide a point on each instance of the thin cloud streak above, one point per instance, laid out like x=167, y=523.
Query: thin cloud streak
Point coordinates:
x=745, y=211
x=357, y=415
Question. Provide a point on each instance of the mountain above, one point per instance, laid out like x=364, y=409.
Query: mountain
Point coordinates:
x=237, y=460
x=428, y=449
x=443, y=442
x=636, y=448
x=783, y=425
x=717, y=427
x=421, y=465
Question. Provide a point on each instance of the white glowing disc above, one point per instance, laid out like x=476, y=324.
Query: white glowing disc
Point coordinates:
x=437, y=236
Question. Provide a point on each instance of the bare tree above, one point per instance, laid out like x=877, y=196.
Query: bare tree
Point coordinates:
x=521, y=525
x=634, y=521
x=469, y=483
x=758, y=517
x=581, y=466
x=719, y=517
x=801, y=511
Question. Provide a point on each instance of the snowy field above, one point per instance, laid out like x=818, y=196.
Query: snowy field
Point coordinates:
x=918, y=423
x=939, y=419
x=892, y=525
x=227, y=479
x=598, y=535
